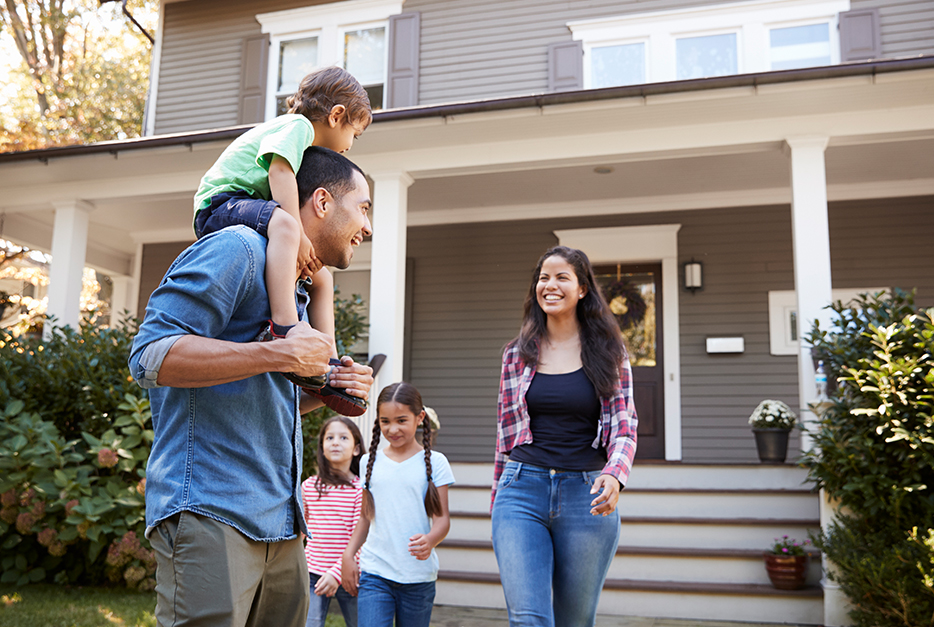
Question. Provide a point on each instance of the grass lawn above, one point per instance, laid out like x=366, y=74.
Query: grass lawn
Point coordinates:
x=60, y=606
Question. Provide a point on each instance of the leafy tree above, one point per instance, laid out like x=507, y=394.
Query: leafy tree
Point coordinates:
x=82, y=76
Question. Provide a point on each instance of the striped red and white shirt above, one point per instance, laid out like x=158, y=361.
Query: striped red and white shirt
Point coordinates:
x=331, y=519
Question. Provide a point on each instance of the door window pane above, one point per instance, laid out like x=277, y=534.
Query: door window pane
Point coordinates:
x=800, y=46
x=617, y=65
x=365, y=55
x=297, y=58
x=631, y=297
x=710, y=55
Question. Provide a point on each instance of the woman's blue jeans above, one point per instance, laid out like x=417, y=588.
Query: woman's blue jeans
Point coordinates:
x=380, y=600
x=547, y=541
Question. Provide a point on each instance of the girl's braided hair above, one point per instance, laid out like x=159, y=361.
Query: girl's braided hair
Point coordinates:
x=324, y=89
x=404, y=394
x=326, y=475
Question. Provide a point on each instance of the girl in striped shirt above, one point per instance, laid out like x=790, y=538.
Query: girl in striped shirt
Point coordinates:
x=332, y=500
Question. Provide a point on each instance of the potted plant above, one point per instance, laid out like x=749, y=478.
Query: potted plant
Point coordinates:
x=787, y=563
x=771, y=423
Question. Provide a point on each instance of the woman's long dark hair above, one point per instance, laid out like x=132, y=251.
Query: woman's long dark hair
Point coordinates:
x=326, y=473
x=404, y=394
x=602, y=347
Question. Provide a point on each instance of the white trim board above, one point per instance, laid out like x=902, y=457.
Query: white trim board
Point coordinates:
x=640, y=244
x=673, y=202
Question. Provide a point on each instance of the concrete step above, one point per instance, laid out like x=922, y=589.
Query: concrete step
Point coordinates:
x=646, y=564
x=654, y=475
x=701, y=533
x=679, y=502
x=624, y=597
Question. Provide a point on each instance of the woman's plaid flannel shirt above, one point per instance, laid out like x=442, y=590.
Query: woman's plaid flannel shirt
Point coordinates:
x=616, y=431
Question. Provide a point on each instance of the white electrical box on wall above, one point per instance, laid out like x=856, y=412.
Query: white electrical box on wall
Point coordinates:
x=725, y=345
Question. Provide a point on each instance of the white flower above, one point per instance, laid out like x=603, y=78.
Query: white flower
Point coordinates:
x=772, y=414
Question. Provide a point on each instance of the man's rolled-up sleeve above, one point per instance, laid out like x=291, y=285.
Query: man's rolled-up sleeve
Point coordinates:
x=145, y=364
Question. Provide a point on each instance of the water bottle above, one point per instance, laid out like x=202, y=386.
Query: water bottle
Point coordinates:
x=820, y=379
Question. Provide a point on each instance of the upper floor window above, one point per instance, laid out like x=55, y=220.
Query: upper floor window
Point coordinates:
x=350, y=34
x=715, y=40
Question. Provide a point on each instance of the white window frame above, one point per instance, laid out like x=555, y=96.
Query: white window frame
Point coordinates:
x=751, y=20
x=783, y=304
x=329, y=23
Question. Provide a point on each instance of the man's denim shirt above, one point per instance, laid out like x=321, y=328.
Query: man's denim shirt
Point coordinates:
x=232, y=452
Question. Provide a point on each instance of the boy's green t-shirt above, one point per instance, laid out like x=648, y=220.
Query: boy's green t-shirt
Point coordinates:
x=244, y=165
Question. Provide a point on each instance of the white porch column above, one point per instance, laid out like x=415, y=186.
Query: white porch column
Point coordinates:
x=69, y=245
x=387, y=272
x=811, y=236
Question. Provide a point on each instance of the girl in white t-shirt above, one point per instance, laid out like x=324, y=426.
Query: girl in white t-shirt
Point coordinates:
x=332, y=502
x=405, y=516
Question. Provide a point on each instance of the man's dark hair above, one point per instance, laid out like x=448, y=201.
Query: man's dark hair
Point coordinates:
x=322, y=167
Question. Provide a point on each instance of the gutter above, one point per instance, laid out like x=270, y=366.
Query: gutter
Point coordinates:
x=868, y=68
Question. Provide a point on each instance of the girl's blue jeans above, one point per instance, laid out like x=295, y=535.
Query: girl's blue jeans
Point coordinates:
x=380, y=600
x=553, y=554
x=318, y=608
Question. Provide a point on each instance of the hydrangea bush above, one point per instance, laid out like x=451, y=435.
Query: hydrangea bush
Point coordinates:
x=73, y=511
x=771, y=414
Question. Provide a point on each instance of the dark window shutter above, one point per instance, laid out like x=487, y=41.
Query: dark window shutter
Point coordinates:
x=402, y=81
x=566, y=66
x=860, y=35
x=253, y=79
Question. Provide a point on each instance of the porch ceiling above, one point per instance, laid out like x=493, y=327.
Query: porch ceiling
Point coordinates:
x=723, y=147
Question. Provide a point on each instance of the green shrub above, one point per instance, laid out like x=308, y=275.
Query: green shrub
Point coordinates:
x=75, y=436
x=76, y=379
x=874, y=452
x=65, y=502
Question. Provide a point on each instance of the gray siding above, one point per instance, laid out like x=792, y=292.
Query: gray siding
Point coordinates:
x=907, y=25
x=470, y=282
x=199, y=75
x=470, y=49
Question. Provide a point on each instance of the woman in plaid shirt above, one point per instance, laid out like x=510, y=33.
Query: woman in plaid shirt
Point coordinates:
x=566, y=438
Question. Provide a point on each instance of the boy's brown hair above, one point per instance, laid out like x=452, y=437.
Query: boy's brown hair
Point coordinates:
x=324, y=89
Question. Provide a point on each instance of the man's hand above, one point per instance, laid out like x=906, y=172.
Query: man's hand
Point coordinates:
x=326, y=586
x=356, y=379
x=309, y=349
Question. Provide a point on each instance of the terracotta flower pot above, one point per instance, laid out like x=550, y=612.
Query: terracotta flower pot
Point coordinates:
x=772, y=444
x=787, y=572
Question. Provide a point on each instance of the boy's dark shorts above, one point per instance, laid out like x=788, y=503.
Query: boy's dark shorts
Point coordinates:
x=233, y=208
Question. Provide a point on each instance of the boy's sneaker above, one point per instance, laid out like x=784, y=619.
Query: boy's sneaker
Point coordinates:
x=338, y=400
x=309, y=384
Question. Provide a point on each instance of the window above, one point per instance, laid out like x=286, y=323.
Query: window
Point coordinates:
x=617, y=64
x=715, y=40
x=708, y=55
x=800, y=46
x=351, y=34
x=784, y=331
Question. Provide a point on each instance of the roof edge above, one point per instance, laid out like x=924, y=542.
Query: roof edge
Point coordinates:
x=499, y=104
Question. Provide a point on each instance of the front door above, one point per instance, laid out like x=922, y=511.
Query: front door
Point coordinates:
x=635, y=297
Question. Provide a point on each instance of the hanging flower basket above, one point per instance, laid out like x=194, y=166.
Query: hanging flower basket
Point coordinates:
x=626, y=303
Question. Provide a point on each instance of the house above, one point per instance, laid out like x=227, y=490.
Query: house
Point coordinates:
x=787, y=146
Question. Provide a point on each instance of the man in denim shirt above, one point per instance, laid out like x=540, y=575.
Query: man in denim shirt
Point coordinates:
x=223, y=500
